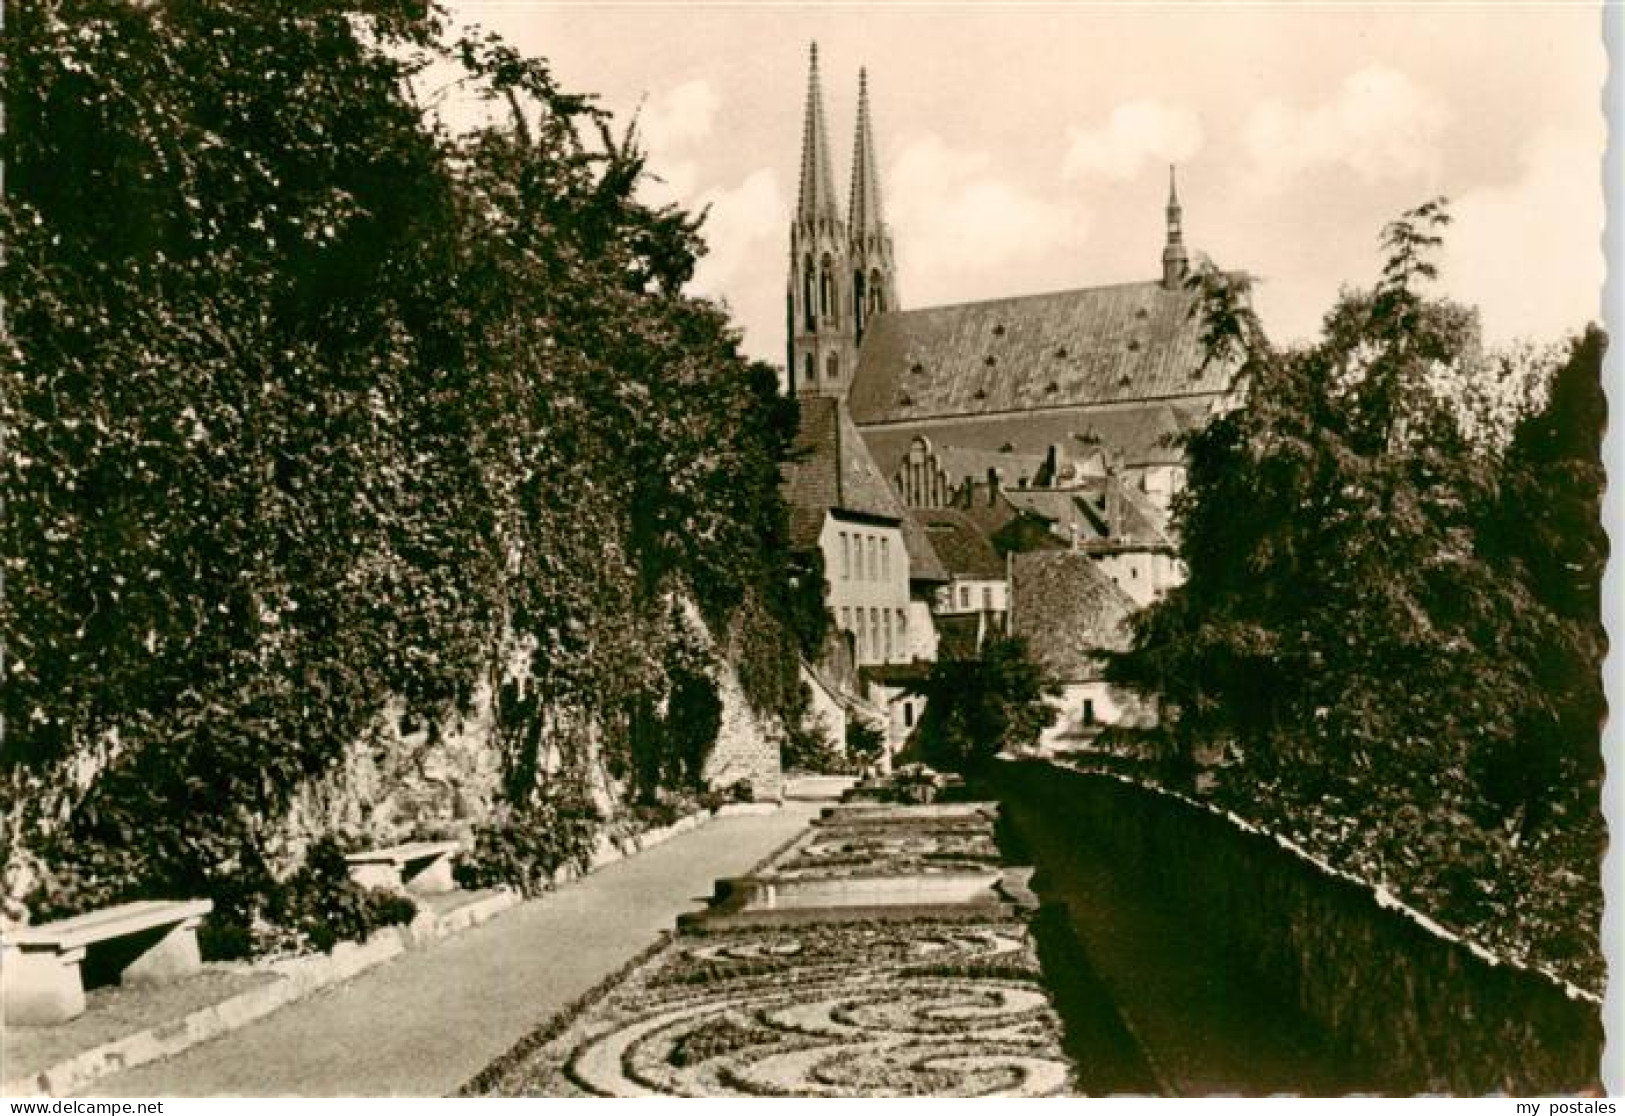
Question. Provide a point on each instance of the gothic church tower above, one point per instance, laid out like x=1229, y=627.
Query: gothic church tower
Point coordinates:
x=822, y=338
x=874, y=271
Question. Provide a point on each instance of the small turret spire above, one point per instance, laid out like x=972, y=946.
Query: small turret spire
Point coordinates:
x=817, y=198
x=1175, y=262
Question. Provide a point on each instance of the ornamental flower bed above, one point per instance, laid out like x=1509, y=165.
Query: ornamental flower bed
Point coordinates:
x=855, y=1010
x=860, y=851
x=842, y=968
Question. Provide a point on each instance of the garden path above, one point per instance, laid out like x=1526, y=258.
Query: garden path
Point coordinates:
x=426, y=1022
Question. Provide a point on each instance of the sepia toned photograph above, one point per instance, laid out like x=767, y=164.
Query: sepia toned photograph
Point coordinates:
x=803, y=550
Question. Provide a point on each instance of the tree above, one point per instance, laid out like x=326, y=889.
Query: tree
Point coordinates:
x=1392, y=622
x=976, y=708
x=1545, y=529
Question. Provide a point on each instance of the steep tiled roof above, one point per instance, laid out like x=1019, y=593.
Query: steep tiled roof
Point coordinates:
x=830, y=469
x=1085, y=512
x=1068, y=611
x=812, y=474
x=1144, y=433
x=1139, y=520
x=1098, y=345
x=1072, y=511
x=960, y=462
x=964, y=549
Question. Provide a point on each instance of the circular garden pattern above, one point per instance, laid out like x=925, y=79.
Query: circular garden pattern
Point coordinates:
x=831, y=1011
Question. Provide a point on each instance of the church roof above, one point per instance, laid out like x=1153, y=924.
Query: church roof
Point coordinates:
x=830, y=470
x=1132, y=342
x=1068, y=610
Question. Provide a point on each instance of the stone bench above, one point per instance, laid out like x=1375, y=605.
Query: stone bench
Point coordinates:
x=423, y=867
x=148, y=942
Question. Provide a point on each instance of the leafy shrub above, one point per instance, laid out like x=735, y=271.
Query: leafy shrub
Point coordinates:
x=323, y=906
x=524, y=847
x=864, y=743
x=809, y=746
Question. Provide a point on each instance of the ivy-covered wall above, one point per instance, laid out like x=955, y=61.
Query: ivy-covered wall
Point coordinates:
x=358, y=472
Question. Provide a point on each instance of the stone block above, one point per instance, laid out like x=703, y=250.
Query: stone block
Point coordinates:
x=42, y=986
x=174, y=955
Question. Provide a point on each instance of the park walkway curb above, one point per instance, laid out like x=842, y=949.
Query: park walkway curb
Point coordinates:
x=300, y=977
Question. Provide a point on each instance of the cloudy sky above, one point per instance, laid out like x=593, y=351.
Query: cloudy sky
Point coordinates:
x=1024, y=147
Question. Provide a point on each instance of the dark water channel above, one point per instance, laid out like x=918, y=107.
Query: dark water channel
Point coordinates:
x=1151, y=1003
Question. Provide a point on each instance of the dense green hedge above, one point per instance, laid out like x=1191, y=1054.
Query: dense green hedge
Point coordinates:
x=310, y=403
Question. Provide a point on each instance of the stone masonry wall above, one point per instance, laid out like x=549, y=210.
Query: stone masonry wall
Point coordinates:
x=1383, y=979
x=747, y=748
x=395, y=784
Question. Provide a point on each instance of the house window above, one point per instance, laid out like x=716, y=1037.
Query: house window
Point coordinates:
x=846, y=620
x=874, y=632
x=885, y=559
x=908, y=714
x=846, y=556
x=987, y=598
x=964, y=596
x=886, y=624
x=874, y=558
x=902, y=632
x=1088, y=711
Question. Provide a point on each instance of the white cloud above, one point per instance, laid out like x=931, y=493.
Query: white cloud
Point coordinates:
x=679, y=116
x=963, y=231
x=741, y=228
x=1528, y=252
x=1380, y=124
x=1137, y=132
x=670, y=125
x=745, y=227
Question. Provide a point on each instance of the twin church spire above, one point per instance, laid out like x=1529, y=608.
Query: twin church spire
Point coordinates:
x=842, y=271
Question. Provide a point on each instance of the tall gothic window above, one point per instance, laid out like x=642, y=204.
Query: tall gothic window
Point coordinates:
x=809, y=369
x=826, y=290
x=877, y=293
x=809, y=311
x=832, y=367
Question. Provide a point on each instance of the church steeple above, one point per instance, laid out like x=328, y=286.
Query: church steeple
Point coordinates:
x=817, y=198
x=821, y=348
x=1175, y=263
x=874, y=282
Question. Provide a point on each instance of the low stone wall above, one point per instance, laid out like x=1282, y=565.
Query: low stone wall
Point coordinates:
x=1385, y=981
